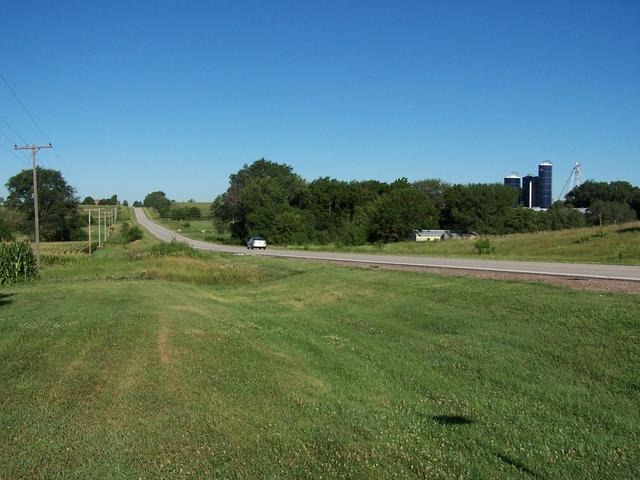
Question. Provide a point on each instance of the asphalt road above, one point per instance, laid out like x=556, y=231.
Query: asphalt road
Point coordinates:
x=578, y=270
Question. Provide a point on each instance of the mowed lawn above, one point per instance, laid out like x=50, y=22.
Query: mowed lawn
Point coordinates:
x=130, y=365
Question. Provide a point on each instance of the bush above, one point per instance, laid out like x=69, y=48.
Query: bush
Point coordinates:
x=605, y=213
x=174, y=249
x=130, y=234
x=17, y=263
x=352, y=234
x=483, y=246
x=600, y=233
x=6, y=233
x=186, y=213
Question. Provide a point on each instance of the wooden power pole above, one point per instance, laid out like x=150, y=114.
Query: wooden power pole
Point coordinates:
x=89, y=231
x=34, y=149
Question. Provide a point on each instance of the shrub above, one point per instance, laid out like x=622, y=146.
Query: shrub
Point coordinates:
x=130, y=234
x=483, y=246
x=605, y=213
x=6, y=233
x=352, y=234
x=17, y=263
x=600, y=233
x=174, y=249
x=186, y=213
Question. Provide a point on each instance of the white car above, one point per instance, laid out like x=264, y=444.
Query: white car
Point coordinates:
x=256, y=242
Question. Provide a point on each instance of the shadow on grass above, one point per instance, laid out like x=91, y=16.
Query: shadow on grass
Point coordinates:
x=629, y=230
x=452, y=420
x=520, y=466
x=5, y=298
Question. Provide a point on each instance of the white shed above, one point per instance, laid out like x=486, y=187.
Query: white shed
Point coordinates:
x=430, y=235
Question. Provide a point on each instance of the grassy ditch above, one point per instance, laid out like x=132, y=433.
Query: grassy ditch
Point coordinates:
x=613, y=244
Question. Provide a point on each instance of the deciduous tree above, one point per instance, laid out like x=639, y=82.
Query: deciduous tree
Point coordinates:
x=59, y=216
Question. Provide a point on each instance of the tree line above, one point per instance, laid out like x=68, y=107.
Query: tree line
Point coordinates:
x=113, y=200
x=59, y=212
x=270, y=199
x=165, y=208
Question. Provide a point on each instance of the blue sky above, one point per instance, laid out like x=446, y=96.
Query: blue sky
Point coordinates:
x=140, y=96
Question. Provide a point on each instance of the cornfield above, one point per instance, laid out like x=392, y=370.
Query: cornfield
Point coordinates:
x=17, y=263
x=64, y=248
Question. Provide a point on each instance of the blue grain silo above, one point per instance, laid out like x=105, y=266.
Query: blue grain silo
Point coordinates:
x=545, y=195
x=530, y=191
x=513, y=181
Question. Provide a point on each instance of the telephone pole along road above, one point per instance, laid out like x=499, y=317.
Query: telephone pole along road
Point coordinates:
x=576, y=270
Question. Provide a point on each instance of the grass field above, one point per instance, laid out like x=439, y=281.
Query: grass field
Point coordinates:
x=202, y=229
x=205, y=207
x=139, y=363
x=619, y=244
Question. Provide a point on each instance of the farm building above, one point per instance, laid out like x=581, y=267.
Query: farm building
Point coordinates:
x=430, y=235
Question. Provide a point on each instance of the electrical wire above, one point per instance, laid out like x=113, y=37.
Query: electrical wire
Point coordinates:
x=13, y=154
x=15, y=95
x=13, y=130
x=12, y=142
x=26, y=110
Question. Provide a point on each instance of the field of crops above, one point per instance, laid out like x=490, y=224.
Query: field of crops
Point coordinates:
x=64, y=248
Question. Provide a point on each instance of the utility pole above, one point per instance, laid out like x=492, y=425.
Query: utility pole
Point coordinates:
x=89, y=231
x=105, y=227
x=99, y=230
x=34, y=149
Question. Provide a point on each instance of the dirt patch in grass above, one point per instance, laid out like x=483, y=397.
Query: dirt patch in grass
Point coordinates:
x=69, y=372
x=165, y=349
x=214, y=297
x=318, y=298
x=190, y=309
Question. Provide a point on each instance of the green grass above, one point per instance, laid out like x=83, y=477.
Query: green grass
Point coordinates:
x=202, y=229
x=205, y=207
x=161, y=362
x=620, y=245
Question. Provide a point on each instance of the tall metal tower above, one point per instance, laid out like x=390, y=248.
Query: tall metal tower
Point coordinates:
x=576, y=178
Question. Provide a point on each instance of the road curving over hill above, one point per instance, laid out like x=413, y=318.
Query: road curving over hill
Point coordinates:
x=573, y=270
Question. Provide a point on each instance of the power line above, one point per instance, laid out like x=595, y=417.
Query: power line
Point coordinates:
x=13, y=130
x=14, y=155
x=26, y=110
x=12, y=142
x=7, y=136
x=15, y=95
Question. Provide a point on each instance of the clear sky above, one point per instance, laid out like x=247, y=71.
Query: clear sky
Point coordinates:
x=175, y=95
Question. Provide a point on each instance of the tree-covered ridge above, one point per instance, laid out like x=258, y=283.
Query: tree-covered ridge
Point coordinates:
x=270, y=199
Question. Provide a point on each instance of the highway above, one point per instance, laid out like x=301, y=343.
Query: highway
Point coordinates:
x=575, y=270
